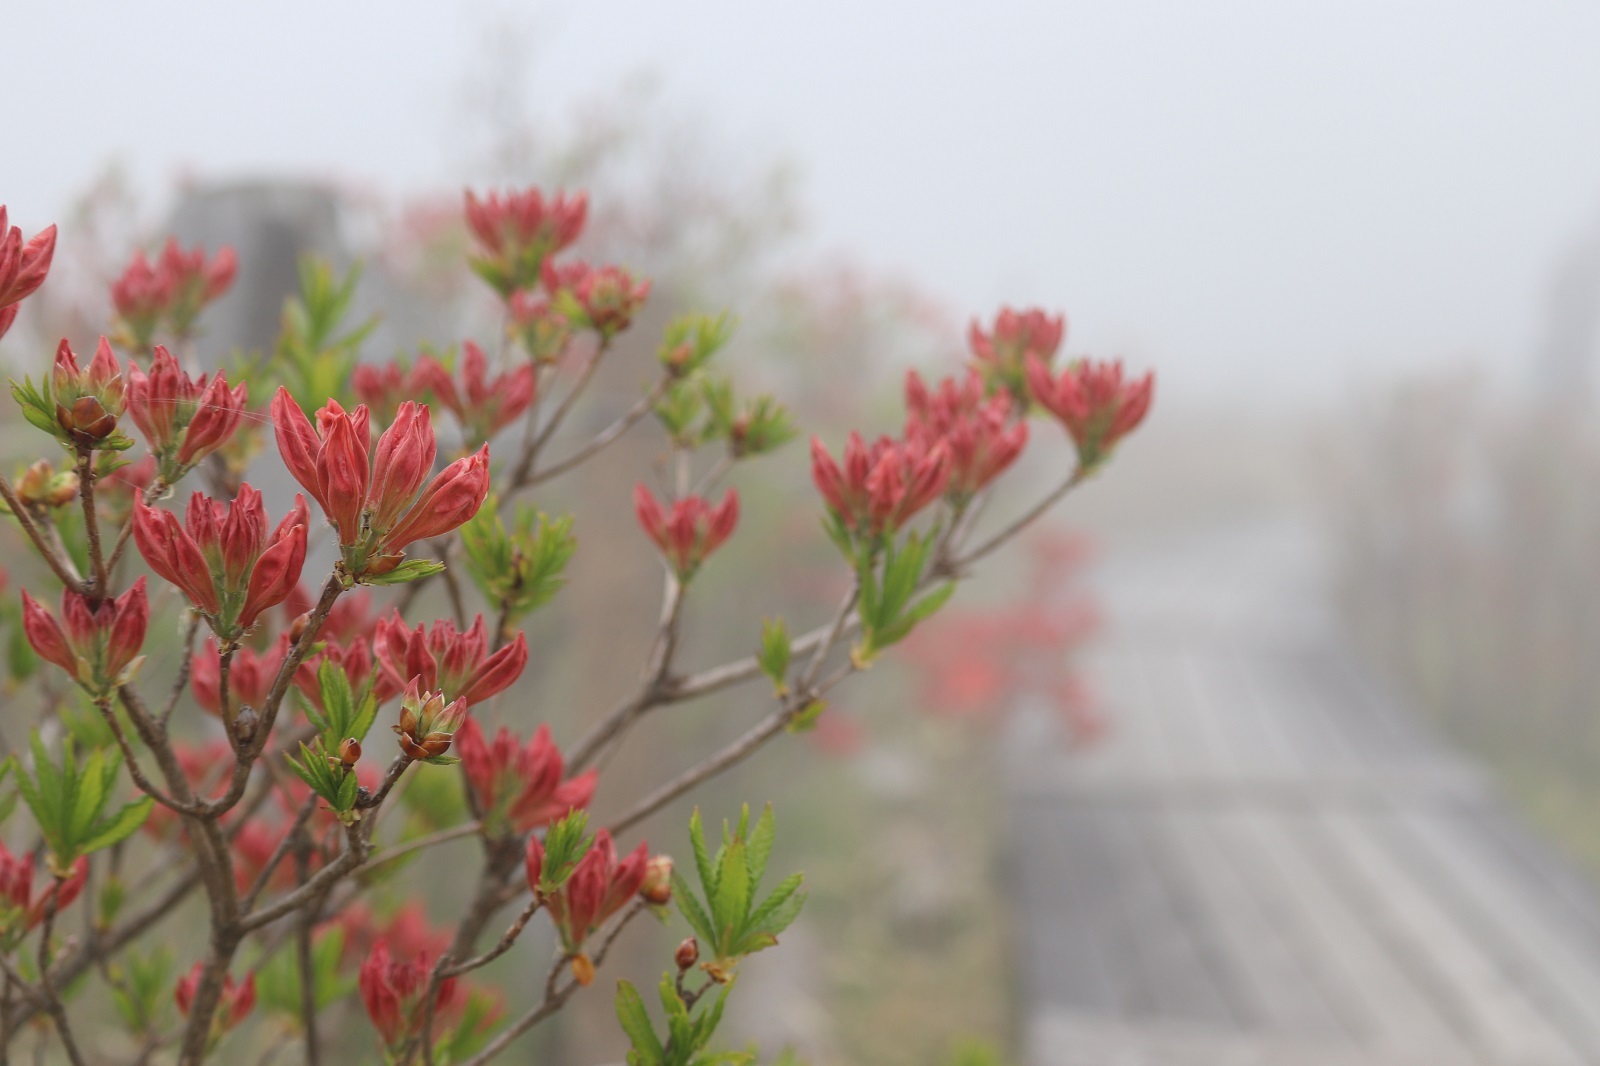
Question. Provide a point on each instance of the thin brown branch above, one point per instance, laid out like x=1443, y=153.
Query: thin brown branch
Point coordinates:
x=47, y=989
x=100, y=583
x=58, y=561
x=555, y=997
x=598, y=443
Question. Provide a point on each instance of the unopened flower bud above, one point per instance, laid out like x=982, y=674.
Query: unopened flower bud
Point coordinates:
x=297, y=628
x=657, y=885
x=245, y=723
x=349, y=752
x=687, y=955
x=41, y=486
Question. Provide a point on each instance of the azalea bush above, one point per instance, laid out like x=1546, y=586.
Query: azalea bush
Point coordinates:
x=253, y=791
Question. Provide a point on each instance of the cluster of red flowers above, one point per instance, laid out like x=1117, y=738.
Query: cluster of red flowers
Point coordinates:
x=482, y=404
x=170, y=292
x=378, y=499
x=21, y=909
x=371, y=472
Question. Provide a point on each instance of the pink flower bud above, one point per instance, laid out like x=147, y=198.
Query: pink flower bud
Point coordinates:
x=690, y=532
x=23, y=266
x=1093, y=402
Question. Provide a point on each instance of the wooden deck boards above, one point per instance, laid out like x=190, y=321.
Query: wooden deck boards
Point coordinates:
x=1269, y=861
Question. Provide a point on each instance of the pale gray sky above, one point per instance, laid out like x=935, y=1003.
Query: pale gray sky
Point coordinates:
x=1278, y=197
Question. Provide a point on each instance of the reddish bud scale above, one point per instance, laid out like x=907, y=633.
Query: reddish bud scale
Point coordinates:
x=88, y=401
x=23, y=266
x=427, y=724
x=690, y=531
x=519, y=788
x=96, y=645
x=1093, y=401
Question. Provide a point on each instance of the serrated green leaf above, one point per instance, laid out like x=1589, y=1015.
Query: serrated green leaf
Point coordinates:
x=691, y=910
x=732, y=902
x=410, y=570
x=120, y=827
x=635, y=1022
x=702, y=861
x=769, y=906
x=759, y=848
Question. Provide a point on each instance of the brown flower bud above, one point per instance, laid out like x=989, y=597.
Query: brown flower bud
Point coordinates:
x=687, y=955
x=349, y=752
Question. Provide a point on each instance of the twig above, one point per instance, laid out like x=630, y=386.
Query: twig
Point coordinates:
x=91, y=527
x=58, y=562
x=602, y=440
x=47, y=989
x=555, y=998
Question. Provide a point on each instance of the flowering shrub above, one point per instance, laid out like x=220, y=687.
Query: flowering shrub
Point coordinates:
x=274, y=819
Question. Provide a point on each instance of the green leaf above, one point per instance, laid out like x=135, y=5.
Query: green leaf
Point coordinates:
x=410, y=570
x=702, y=862
x=731, y=904
x=760, y=847
x=691, y=910
x=761, y=917
x=120, y=827
x=635, y=1021
x=776, y=651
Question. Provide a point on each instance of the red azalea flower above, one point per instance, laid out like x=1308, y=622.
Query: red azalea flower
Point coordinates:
x=519, y=788
x=379, y=504
x=237, y=1000
x=690, y=532
x=1094, y=403
x=881, y=488
x=175, y=289
x=975, y=429
x=250, y=676
x=441, y=659
x=20, y=909
x=1001, y=354
x=99, y=646
x=609, y=296
x=395, y=992
x=222, y=558
x=518, y=230
x=598, y=887
x=183, y=419
x=483, y=405
x=23, y=266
